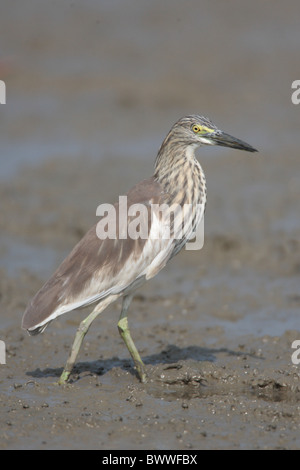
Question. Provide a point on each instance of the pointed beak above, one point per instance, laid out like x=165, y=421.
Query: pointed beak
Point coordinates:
x=226, y=140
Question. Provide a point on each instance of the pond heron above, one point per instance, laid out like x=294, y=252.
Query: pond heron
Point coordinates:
x=101, y=270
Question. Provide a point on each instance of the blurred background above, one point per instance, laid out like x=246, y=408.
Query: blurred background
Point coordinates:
x=92, y=89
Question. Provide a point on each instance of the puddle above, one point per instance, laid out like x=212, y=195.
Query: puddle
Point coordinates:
x=16, y=254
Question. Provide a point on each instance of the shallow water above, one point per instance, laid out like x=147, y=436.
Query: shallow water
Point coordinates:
x=92, y=89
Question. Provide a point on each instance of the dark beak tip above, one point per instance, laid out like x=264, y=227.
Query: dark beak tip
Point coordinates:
x=252, y=150
x=226, y=140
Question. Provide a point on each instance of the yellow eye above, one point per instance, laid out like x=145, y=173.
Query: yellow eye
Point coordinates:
x=196, y=128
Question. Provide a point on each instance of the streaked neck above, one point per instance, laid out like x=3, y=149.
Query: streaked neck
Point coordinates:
x=173, y=160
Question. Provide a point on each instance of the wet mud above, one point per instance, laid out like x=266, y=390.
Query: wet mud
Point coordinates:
x=216, y=327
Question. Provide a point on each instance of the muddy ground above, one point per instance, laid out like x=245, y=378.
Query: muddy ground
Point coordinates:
x=216, y=327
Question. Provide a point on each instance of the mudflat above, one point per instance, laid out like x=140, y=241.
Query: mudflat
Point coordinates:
x=216, y=327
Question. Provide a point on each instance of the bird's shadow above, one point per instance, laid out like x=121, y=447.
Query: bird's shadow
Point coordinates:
x=172, y=354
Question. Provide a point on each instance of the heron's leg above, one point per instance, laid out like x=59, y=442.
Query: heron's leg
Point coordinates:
x=80, y=334
x=125, y=335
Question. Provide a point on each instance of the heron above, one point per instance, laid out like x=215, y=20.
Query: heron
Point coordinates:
x=100, y=270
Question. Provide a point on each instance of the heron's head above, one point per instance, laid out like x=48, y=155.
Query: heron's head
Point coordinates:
x=199, y=130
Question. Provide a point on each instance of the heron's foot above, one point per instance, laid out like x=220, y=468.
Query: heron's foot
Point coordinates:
x=140, y=368
x=63, y=380
x=125, y=335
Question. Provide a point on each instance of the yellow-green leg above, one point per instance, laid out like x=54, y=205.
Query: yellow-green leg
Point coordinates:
x=81, y=332
x=125, y=335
